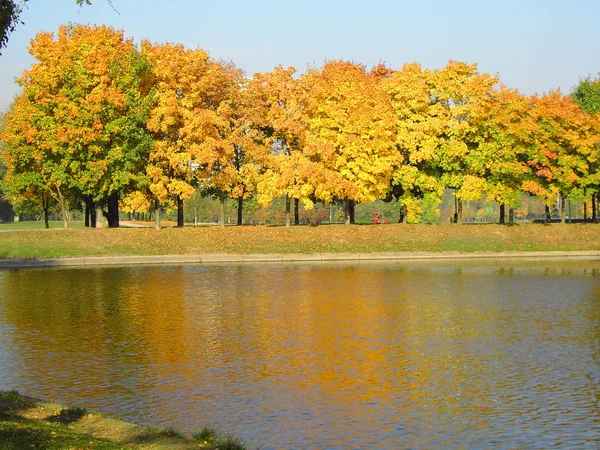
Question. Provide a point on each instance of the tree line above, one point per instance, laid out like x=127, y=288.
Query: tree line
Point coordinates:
x=104, y=122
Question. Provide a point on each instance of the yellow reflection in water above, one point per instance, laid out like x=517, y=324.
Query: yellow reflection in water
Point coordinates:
x=382, y=344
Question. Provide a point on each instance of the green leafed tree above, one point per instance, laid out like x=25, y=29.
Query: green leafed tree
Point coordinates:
x=587, y=96
x=83, y=111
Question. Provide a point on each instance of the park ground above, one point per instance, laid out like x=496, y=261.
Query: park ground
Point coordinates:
x=21, y=241
x=29, y=423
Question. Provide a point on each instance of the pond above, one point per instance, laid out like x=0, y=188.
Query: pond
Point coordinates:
x=377, y=356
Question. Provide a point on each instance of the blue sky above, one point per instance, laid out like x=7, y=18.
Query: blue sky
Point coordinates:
x=533, y=45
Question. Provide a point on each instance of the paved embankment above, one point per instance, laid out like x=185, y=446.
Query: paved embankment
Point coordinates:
x=290, y=258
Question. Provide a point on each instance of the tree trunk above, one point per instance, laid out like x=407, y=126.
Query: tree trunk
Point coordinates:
x=179, y=212
x=46, y=207
x=347, y=212
x=350, y=210
x=63, y=207
x=240, y=209
x=90, y=207
x=561, y=208
x=594, y=209
x=288, y=206
x=93, y=216
x=502, y=213
x=458, y=206
x=296, y=211
x=156, y=214
x=511, y=216
x=547, y=220
x=403, y=215
x=113, y=210
x=87, y=212
x=222, y=209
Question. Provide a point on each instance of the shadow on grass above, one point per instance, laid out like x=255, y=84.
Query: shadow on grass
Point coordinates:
x=68, y=415
x=21, y=434
x=11, y=403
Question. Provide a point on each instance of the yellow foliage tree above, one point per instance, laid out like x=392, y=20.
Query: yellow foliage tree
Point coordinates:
x=350, y=132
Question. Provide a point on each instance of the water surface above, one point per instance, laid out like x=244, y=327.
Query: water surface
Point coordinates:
x=499, y=355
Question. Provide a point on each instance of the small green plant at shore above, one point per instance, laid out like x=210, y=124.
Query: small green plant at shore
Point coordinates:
x=212, y=438
x=170, y=432
x=205, y=434
x=230, y=442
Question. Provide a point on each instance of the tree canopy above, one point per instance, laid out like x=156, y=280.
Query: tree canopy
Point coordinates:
x=103, y=121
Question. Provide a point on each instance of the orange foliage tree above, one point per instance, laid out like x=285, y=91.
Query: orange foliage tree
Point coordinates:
x=504, y=136
x=278, y=97
x=233, y=157
x=82, y=113
x=188, y=90
x=102, y=122
x=565, y=159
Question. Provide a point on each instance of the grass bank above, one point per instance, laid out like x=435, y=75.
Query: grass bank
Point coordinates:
x=55, y=243
x=28, y=423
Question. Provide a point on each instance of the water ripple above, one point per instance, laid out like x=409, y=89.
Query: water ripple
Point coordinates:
x=373, y=356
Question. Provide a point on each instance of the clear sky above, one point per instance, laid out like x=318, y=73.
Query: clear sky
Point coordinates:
x=533, y=45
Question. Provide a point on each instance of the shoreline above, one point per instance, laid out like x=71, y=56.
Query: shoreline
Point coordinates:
x=227, y=258
x=31, y=422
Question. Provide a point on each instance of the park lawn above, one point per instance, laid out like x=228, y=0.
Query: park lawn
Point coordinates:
x=299, y=239
x=36, y=225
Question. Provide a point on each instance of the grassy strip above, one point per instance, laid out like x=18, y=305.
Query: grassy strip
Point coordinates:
x=36, y=225
x=27, y=423
x=301, y=239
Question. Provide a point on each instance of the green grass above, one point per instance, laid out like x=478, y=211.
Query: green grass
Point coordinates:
x=18, y=433
x=25, y=424
x=301, y=239
x=170, y=432
x=37, y=225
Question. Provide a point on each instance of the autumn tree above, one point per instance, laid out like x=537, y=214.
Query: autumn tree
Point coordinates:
x=189, y=88
x=350, y=132
x=278, y=98
x=10, y=17
x=458, y=92
x=419, y=128
x=29, y=179
x=504, y=135
x=235, y=154
x=564, y=161
x=83, y=111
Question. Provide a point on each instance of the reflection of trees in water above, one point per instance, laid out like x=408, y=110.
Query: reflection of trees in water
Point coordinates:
x=416, y=342
x=68, y=326
x=93, y=330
